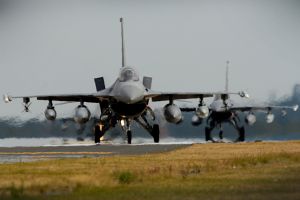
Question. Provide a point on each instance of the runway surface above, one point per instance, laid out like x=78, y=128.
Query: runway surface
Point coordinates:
x=27, y=154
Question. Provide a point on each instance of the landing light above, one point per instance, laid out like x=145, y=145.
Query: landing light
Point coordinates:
x=122, y=122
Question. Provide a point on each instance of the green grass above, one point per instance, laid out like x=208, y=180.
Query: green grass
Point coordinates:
x=125, y=177
x=207, y=171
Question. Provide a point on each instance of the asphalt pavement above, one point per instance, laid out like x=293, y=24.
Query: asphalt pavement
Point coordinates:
x=27, y=154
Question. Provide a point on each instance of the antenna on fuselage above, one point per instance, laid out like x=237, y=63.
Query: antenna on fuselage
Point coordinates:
x=123, y=44
x=227, y=74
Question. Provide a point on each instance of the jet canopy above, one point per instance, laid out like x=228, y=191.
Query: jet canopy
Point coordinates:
x=128, y=74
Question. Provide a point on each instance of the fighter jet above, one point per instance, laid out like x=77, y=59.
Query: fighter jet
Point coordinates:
x=124, y=102
x=223, y=110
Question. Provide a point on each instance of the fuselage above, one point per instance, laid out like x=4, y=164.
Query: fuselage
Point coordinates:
x=219, y=112
x=221, y=117
x=128, y=94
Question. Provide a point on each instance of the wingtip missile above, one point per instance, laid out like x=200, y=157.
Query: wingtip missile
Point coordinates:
x=295, y=107
x=7, y=98
x=244, y=94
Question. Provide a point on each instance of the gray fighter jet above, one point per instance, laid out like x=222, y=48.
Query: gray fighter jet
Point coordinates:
x=223, y=110
x=122, y=103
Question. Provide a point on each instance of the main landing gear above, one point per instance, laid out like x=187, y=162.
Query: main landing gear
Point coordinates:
x=152, y=130
x=129, y=137
x=99, y=132
x=108, y=120
x=155, y=133
x=240, y=130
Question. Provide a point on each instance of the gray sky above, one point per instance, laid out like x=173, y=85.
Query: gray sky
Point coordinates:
x=53, y=47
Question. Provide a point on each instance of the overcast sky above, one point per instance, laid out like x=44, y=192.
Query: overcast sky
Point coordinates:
x=53, y=47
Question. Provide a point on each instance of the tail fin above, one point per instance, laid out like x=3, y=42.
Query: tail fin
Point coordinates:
x=227, y=74
x=123, y=44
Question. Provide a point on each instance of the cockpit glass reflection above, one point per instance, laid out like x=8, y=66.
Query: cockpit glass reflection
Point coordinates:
x=128, y=74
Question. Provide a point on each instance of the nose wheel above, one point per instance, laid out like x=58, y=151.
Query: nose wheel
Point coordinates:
x=126, y=126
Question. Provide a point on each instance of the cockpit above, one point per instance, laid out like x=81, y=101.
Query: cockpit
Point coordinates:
x=128, y=74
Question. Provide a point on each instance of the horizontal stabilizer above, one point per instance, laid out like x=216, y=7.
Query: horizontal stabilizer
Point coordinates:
x=147, y=82
x=100, y=85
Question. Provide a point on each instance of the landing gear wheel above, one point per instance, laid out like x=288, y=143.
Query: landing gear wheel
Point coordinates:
x=155, y=133
x=98, y=134
x=129, y=136
x=241, y=137
x=208, y=134
x=242, y=134
x=221, y=135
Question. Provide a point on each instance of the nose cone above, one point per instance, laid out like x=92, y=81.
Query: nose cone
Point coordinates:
x=130, y=94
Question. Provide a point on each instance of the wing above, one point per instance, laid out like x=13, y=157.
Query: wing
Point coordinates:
x=262, y=108
x=164, y=96
x=247, y=108
x=91, y=98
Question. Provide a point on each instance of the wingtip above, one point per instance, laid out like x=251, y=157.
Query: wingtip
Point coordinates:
x=244, y=94
x=7, y=98
x=295, y=107
x=247, y=95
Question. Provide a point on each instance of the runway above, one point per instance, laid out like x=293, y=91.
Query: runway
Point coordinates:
x=28, y=154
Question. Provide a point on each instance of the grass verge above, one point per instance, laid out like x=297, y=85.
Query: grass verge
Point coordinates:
x=267, y=170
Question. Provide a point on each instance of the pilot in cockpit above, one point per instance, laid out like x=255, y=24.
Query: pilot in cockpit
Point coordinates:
x=128, y=74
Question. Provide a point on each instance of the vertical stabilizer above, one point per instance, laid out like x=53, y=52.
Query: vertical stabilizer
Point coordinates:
x=123, y=44
x=227, y=75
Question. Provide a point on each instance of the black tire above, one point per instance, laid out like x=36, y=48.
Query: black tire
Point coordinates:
x=97, y=134
x=129, y=137
x=155, y=133
x=241, y=134
x=221, y=135
x=207, y=134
